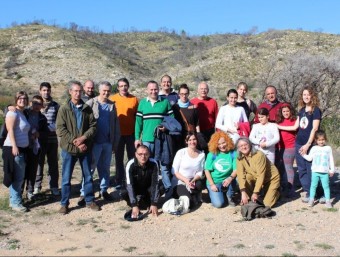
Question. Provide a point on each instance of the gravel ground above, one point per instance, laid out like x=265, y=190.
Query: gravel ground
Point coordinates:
x=295, y=230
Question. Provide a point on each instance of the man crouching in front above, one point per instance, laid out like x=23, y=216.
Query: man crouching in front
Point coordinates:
x=76, y=128
x=142, y=182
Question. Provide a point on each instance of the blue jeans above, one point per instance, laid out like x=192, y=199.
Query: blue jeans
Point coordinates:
x=102, y=155
x=217, y=198
x=324, y=177
x=15, y=198
x=67, y=169
x=128, y=143
x=165, y=169
x=304, y=168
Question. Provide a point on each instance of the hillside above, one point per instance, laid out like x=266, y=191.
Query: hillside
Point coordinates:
x=34, y=53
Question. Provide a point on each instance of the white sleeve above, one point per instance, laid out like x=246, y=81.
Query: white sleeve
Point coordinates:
x=276, y=135
x=201, y=165
x=309, y=157
x=177, y=161
x=220, y=118
x=252, y=136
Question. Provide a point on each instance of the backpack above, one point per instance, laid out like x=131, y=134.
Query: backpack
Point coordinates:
x=177, y=206
x=257, y=209
x=3, y=134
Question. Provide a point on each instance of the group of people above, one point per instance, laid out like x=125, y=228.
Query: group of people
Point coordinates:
x=176, y=146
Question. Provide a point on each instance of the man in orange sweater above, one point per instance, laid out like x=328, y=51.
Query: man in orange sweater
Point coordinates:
x=126, y=105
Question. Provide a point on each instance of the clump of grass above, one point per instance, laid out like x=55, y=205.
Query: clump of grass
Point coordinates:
x=88, y=246
x=298, y=244
x=207, y=219
x=99, y=230
x=324, y=246
x=3, y=233
x=269, y=246
x=125, y=226
x=130, y=249
x=4, y=204
x=239, y=246
x=289, y=255
x=69, y=249
x=331, y=209
x=44, y=213
x=221, y=255
x=4, y=222
x=13, y=244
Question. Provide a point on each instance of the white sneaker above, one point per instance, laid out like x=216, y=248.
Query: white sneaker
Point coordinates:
x=36, y=191
x=311, y=202
x=19, y=208
x=328, y=204
x=55, y=191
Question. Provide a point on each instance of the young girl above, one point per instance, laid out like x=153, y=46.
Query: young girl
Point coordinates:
x=308, y=121
x=322, y=167
x=265, y=135
x=230, y=116
x=285, y=149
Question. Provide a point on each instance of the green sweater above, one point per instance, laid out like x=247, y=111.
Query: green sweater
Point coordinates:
x=149, y=116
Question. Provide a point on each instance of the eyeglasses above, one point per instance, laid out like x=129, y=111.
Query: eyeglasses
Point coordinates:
x=22, y=98
x=143, y=154
x=37, y=103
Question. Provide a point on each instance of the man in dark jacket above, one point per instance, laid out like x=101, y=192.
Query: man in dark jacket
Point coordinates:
x=142, y=182
x=76, y=128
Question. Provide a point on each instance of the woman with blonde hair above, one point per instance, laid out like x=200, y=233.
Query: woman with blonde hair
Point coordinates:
x=220, y=169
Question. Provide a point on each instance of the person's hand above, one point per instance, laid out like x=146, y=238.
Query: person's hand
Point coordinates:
x=11, y=108
x=227, y=181
x=263, y=145
x=244, y=198
x=331, y=174
x=153, y=210
x=192, y=184
x=214, y=188
x=162, y=129
x=303, y=150
x=254, y=197
x=82, y=148
x=137, y=143
x=15, y=151
x=135, y=212
x=78, y=141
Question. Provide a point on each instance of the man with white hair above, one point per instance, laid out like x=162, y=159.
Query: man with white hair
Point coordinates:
x=207, y=110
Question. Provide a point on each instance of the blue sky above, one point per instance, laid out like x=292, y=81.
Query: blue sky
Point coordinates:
x=195, y=17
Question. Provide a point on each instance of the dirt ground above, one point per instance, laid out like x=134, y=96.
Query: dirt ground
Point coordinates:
x=295, y=230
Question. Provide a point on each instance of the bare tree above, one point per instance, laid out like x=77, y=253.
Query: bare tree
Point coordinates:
x=291, y=73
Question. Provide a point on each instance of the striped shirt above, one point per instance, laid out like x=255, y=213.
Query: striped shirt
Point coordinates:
x=149, y=116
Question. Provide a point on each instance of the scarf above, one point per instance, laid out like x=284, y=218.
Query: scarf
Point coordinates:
x=183, y=105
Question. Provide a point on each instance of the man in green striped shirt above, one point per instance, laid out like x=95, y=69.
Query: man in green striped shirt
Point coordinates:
x=150, y=113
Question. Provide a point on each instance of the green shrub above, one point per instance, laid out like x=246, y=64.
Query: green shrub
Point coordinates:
x=331, y=126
